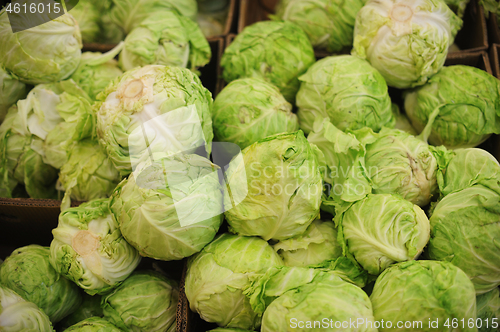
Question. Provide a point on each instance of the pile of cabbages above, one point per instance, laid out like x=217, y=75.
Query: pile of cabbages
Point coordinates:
x=303, y=198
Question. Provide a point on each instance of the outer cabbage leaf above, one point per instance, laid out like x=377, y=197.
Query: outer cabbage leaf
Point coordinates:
x=17, y=314
x=11, y=90
x=465, y=231
x=166, y=38
x=329, y=24
x=87, y=15
x=28, y=272
x=250, y=109
x=423, y=292
x=459, y=107
x=146, y=301
x=488, y=308
x=346, y=90
x=458, y=6
x=278, y=52
x=234, y=262
x=93, y=324
x=406, y=41
x=49, y=52
x=382, y=229
x=90, y=307
x=284, y=187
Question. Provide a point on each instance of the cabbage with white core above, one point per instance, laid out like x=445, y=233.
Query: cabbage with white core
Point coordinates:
x=89, y=249
x=166, y=38
x=17, y=314
x=405, y=40
x=250, y=109
x=346, y=90
x=46, y=53
x=28, y=272
x=381, y=230
x=153, y=109
x=422, y=292
x=465, y=231
x=218, y=276
x=459, y=107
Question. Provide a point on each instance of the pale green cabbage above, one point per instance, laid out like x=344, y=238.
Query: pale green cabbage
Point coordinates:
x=165, y=38
x=28, y=272
x=459, y=107
x=250, y=109
x=488, y=310
x=17, y=314
x=87, y=15
x=346, y=90
x=421, y=292
x=11, y=90
x=218, y=276
x=465, y=231
x=278, y=52
x=93, y=324
x=89, y=249
x=406, y=41
x=146, y=301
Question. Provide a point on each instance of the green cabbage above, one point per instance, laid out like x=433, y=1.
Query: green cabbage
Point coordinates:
x=348, y=91
x=128, y=14
x=146, y=301
x=406, y=41
x=90, y=307
x=155, y=109
x=381, y=230
x=218, y=276
x=459, y=107
x=89, y=249
x=170, y=208
x=275, y=193
x=488, y=310
x=87, y=15
x=17, y=314
x=426, y=294
x=46, y=53
x=250, y=109
x=465, y=231
x=278, y=52
x=165, y=38
x=93, y=324
x=11, y=90
x=28, y=272
x=329, y=24
x=458, y=6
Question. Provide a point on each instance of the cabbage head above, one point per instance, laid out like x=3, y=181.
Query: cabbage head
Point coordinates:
x=11, y=90
x=97, y=70
x=465, y=231
x=146, y=301
x=293, y=298
x=87, y=174
x=329, y=24
x=128, y=14
x=278, y=52
x=28, y=272
x=89, y=249
x=381, y=230
x=90, y=307
x=166, y=38
x=283, y=185
x=156, y=109
x=233, y=262
x=17, y=314
x=488, y=310
x=171, y=208
x=464, y=168
x=93, y=324
x=223, y=329
x=36, y=133
x=46, y=53
x=419, y=291
x=459, y=107
x=400, y=163
x=88, y=16
x=316, y=245
x=405, y=40
x=250, y=109
x=346, y=90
